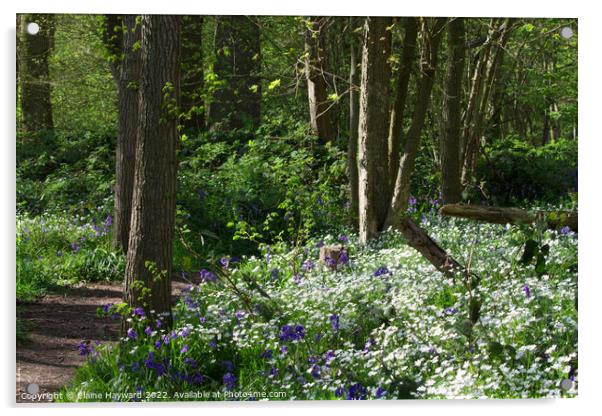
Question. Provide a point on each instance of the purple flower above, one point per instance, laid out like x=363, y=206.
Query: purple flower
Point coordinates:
x=131, y=333
x=224, y=262
x=148, y=331
x=339, y=391
x=411, y=204
x=320, y=244
x=565, y=230
x=158, y=323
x=213, y=344
x=297, y=278
x=75, y=247
x=343, y=239
x=135, y=366
x=527, y=291
x=290, y=333
x=139, y=312
x=184, y=349
x=334, y=322
x=450, y=311
x=368, y=344
x=273, y=371
x=343, y=257
x=157, y=344
x=307, y=265
x=382, y=271
x=315, y=371
x=207, y=276
x=380, y=392
x=108, y=221
x=274, y=273
x=107, y=307
x=283, y=349
x=229, y=381
x=85, y=348
x=328, y=357
x=267, y=354
x=356, y=392
x=330, y=262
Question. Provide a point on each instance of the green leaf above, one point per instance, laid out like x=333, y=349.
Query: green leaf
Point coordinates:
x=274, y=84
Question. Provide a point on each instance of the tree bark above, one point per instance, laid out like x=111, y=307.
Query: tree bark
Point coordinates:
x=497, y=215
x=193, y=112
x=320, y=119
x=34, y=76
x=418, y=239
x=127, y=130
x=410, y=25
x=352, y=148
x=484, y=78
x=401, y=193
x=149, y=258
x=451, y=188
x=373, y=128
x=236, y=103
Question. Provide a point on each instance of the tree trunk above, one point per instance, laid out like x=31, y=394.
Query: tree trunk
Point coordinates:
x=410, y=25
x=451, y=188
x=352, y=148
x=236, y=104
x=193, y=117
x=497, y=215
x=149, y=258
x=34, y=77
x=484, y=78
x=127, y=130
x=401, y=193
x=373, y=128
x=320, y=120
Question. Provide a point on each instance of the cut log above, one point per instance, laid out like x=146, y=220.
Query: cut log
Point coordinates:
x=498, y=215
x=332, y=252
x=418, y=239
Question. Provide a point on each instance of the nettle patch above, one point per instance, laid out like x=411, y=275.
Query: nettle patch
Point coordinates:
x=379, y=323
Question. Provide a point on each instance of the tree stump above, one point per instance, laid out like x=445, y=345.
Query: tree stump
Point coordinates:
x=332, y=252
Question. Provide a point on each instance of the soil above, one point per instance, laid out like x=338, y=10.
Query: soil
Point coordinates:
x=55, y=325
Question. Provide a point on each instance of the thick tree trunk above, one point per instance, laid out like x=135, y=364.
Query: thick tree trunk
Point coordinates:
x=451, y=188
x=320, y=119
x=410, y=25
x=373, y=127
x=128, y=96
x=192, y=73
x=497, y=215
x=34, y=77
x=236, y=104
x=149, y=258
x=352, y=148
x=401, y=192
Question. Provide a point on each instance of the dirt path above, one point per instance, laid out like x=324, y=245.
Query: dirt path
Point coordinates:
x=55, y=325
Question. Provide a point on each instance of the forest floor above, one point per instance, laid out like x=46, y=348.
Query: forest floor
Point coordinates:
x=55, y=325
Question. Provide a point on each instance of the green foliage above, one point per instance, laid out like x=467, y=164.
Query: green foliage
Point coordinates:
x=513, y=171
x=56, y=250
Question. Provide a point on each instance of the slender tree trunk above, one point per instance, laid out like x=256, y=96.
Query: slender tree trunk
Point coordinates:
x=192, y=73
x=486, y=74
x=451, y=188
x=373, y=127
x=320, y=119
x=34, y=76
x=236, y=104
x=354, y=80
x=401, y=193
x=128, y=96
x=149, y=258
x=410, y=25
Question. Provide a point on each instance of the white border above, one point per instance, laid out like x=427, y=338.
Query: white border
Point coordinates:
x=590, y=155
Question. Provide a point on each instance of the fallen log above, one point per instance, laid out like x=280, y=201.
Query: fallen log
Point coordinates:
x=418, y=239
x=499, y=215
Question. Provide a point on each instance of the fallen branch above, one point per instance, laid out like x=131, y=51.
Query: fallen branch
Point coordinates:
x=498, y=215
x=418, y=239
